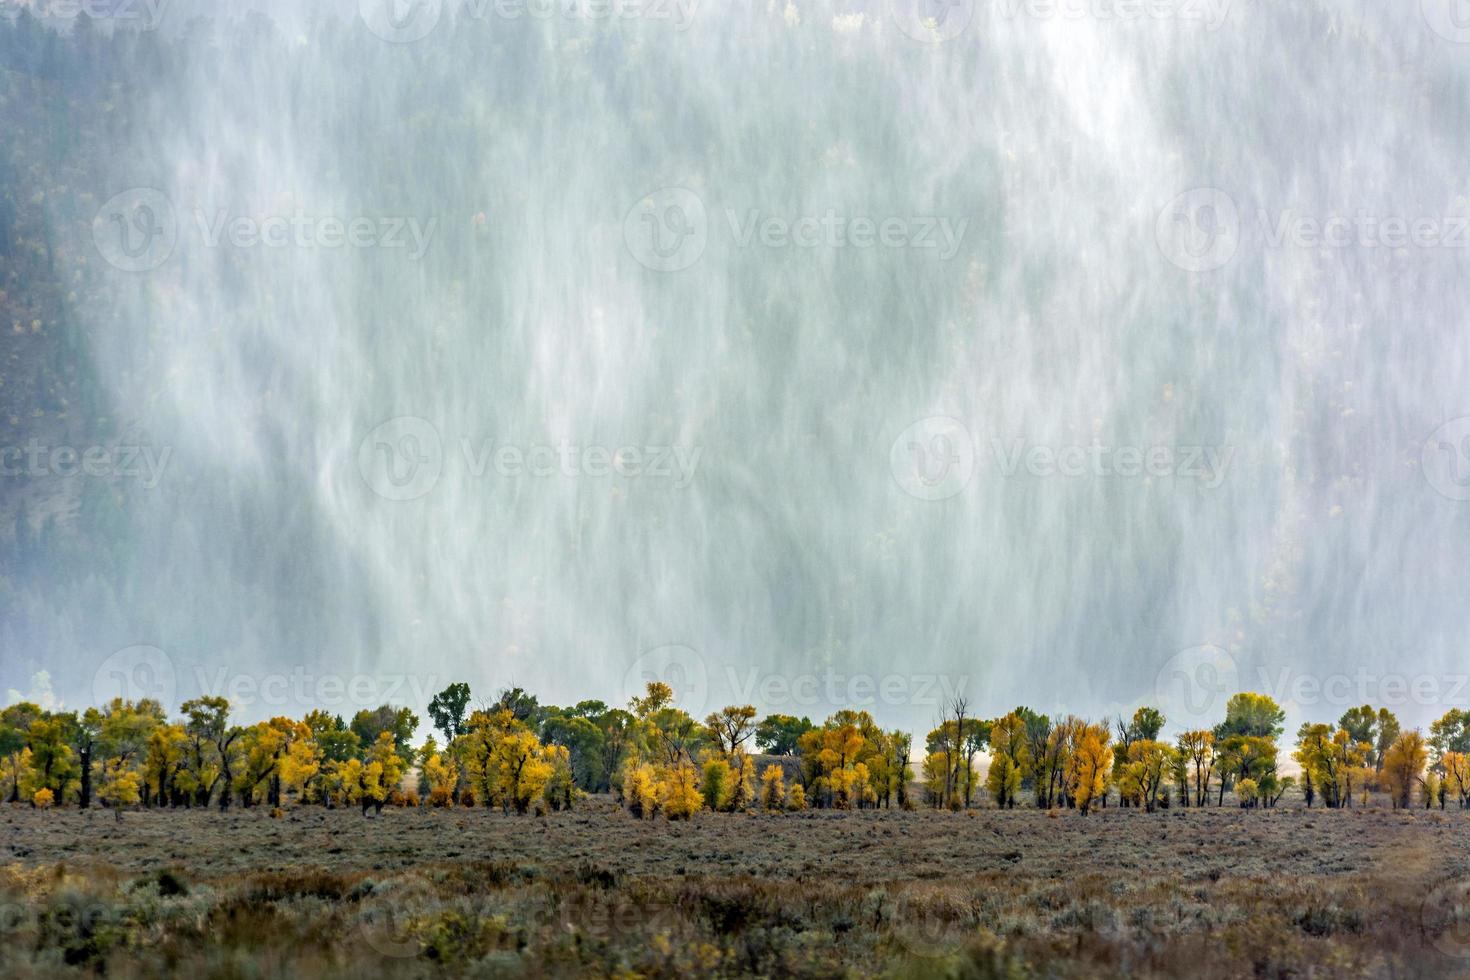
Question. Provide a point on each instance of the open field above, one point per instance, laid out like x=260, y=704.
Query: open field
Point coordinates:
x=1214, y=892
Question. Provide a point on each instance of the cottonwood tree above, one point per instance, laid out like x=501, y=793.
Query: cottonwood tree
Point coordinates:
x=1388, y=733
x=1148, y=764
x=1089, y=766
x=447, y=710
x=1456, y=779
x=15, y=726
x=1009, y=758
x=1246, y=739
x=1198, y=748
x=1403, y=767
x=730, y=727
x=781, y=734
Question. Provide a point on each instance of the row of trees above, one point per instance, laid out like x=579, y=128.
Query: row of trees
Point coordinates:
x=1077, y=764
x=129, y=753
x=678, y=766
x=521, y=756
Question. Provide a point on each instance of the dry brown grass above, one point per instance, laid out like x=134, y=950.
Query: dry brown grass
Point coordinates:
x=595, y=892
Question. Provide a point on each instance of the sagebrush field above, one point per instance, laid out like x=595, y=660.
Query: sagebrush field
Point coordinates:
x=596, y=892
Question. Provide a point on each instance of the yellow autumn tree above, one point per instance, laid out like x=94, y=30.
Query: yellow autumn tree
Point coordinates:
x=773, y=787
x=441, y=774
x=640, y=789
x=1089, y=765
x=1248, y=792
x=300, y=765
x=851, y=787
x=120, y=786
x=742, y=787
x=1148, y=764
x=163, y=763
x=796, y=797
x=522, y=768
x=678, y=792
x=1403, y=767
x=1456, y=766
x=1009, y=757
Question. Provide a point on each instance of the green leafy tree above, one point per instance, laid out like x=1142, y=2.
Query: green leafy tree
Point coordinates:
x=781, y=734
x=447, y=710
x=401, y=723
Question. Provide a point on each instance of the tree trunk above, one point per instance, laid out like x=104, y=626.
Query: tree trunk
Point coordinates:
x=85, y=798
